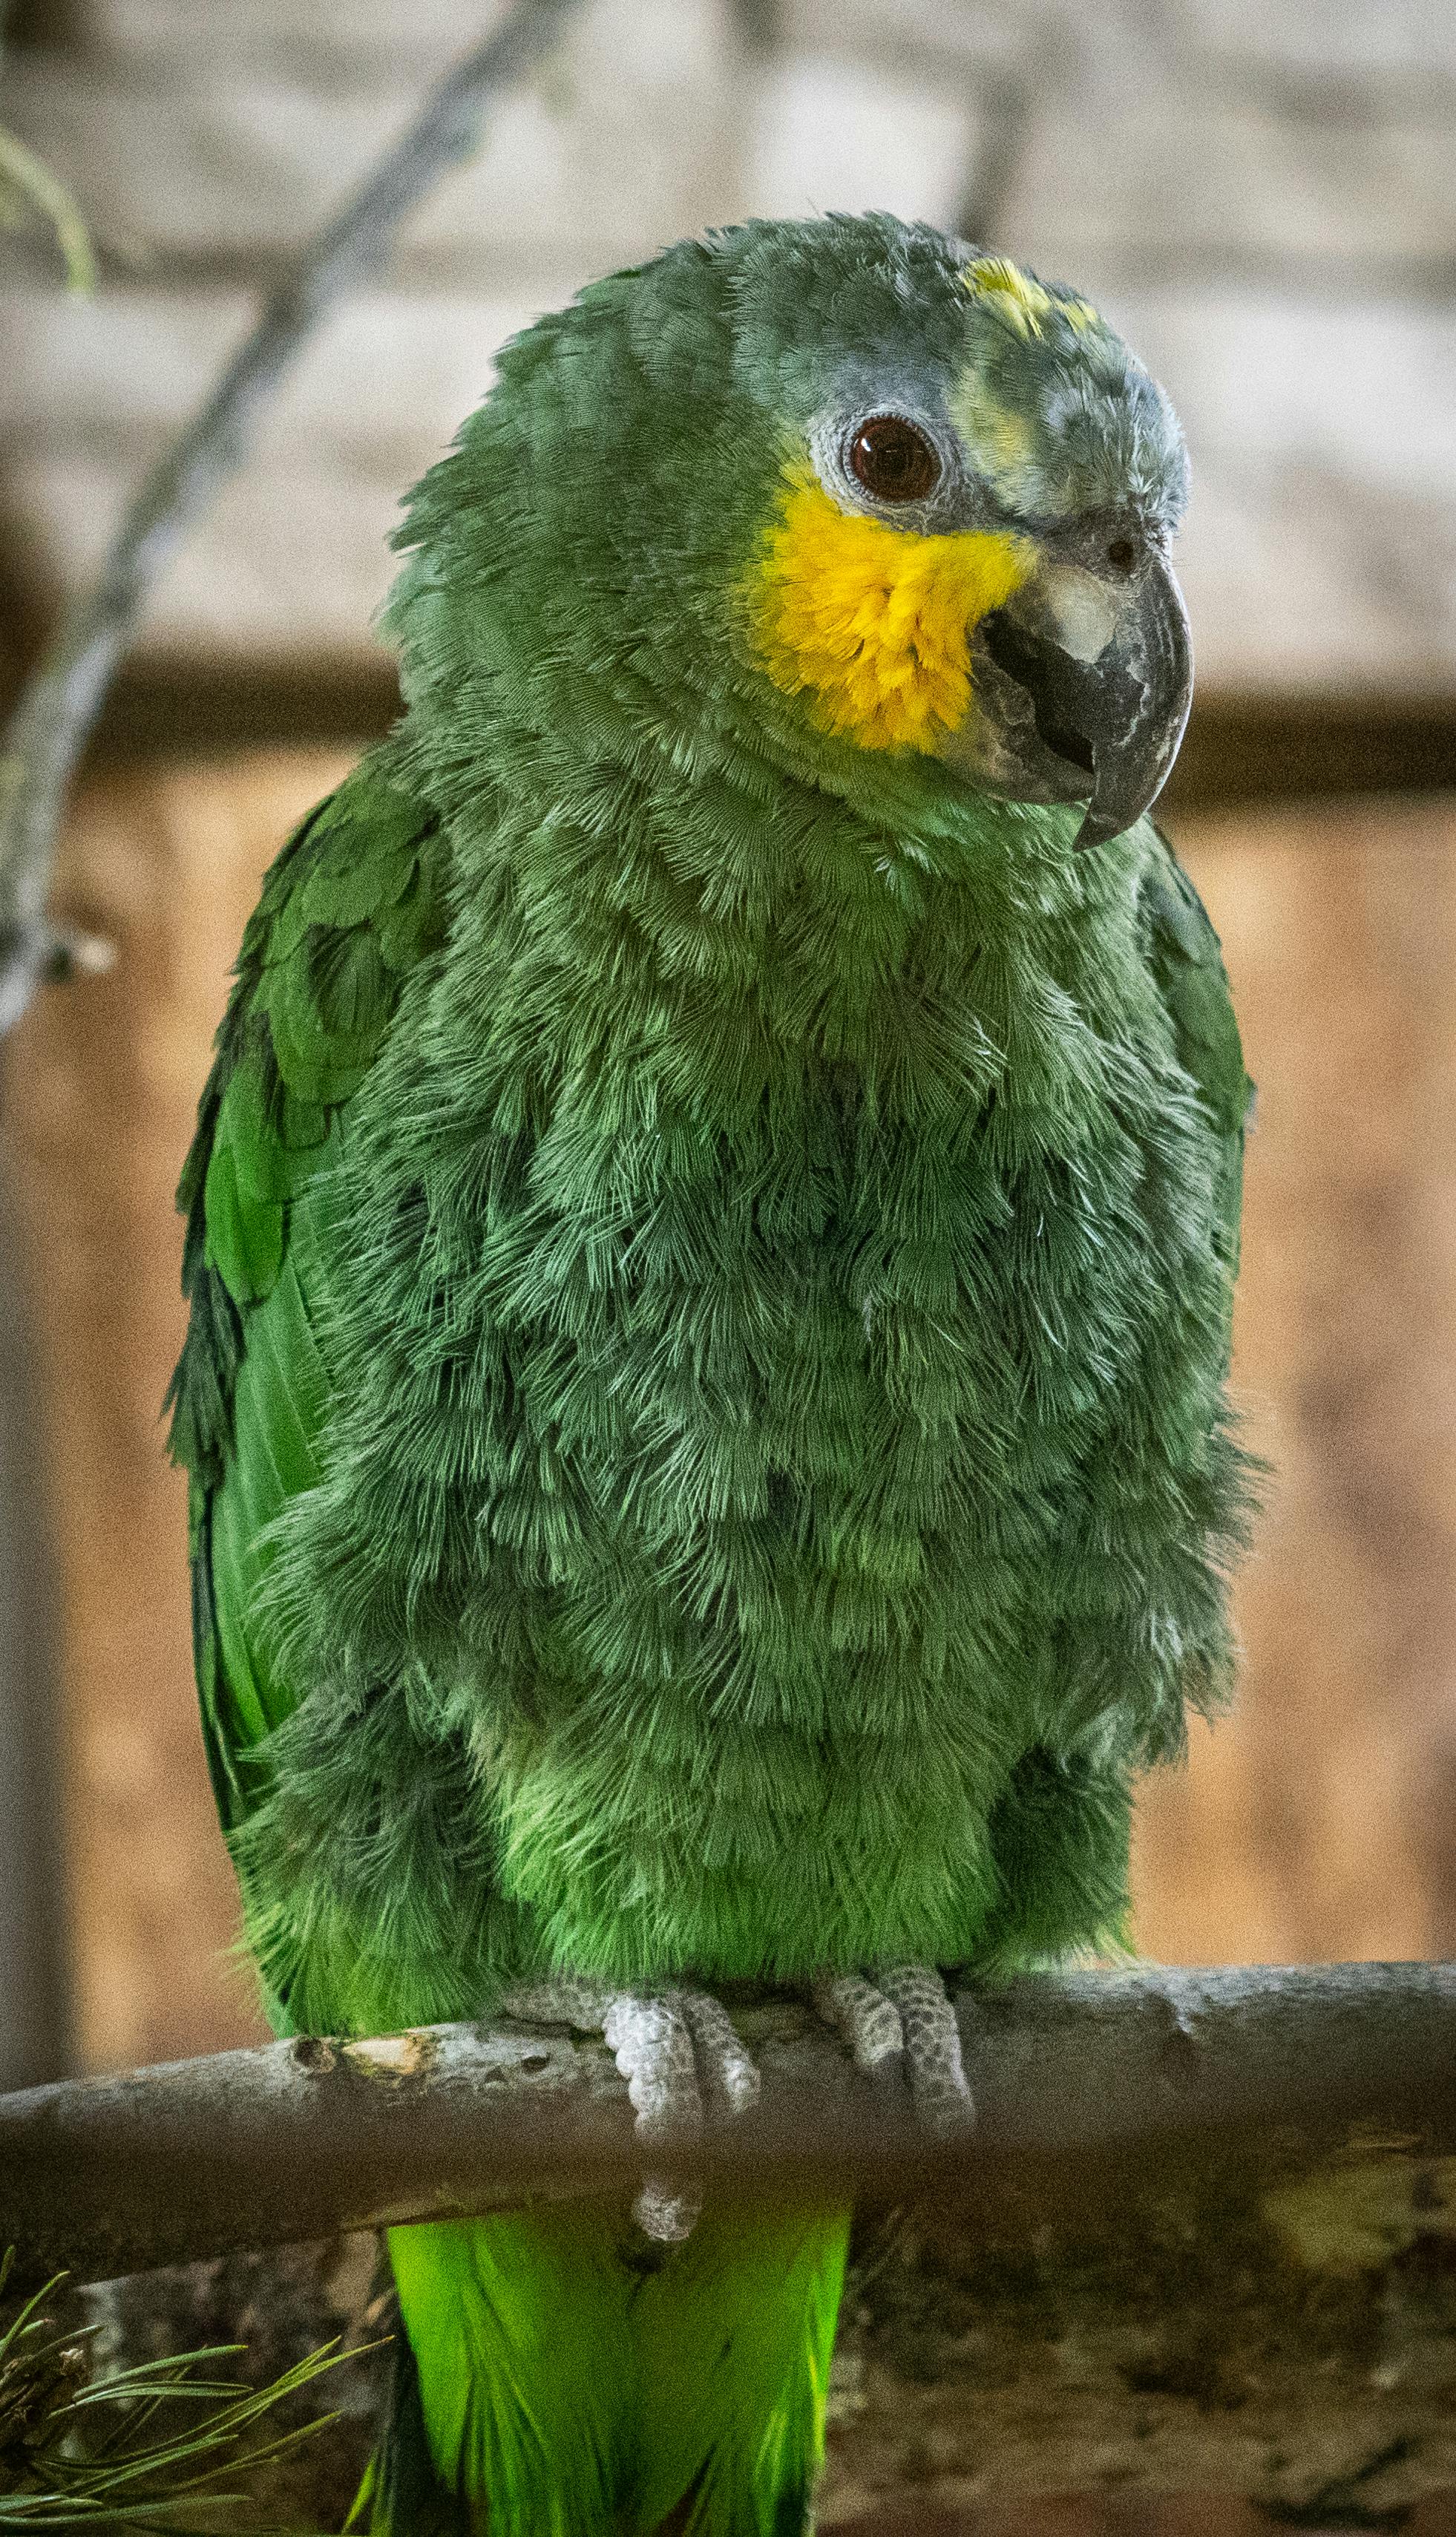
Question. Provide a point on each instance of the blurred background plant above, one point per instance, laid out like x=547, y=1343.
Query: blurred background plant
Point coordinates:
x=152, y=2446
x=32, y=191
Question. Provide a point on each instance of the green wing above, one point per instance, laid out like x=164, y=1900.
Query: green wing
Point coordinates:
x=351, y=905
x=1188, y=965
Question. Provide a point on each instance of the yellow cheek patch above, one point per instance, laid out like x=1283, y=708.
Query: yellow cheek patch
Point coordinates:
x=873, y=623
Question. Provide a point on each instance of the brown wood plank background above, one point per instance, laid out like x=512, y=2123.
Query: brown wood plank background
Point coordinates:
x=1318, y=1821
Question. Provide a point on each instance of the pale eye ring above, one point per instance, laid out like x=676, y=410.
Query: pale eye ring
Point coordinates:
x=891, y=457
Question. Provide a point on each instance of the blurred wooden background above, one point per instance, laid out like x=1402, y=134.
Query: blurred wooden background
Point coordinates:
x=1265, y=200
x=1318, y=1821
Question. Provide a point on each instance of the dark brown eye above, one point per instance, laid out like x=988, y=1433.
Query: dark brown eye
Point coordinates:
x=1122, y=554
x=893, y=461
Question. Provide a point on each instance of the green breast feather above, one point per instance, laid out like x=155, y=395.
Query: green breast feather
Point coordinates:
x=352, y=905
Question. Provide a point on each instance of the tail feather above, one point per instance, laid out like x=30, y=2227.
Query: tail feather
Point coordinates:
x=519, y=2328
x=555, y=2386
x=403, y=2492
x=734, y=2338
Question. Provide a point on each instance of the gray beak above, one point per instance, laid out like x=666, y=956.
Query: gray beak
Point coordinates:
x=1108, y=667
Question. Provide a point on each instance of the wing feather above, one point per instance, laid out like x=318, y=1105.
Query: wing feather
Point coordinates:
x=350, y=906
x=1188, y=964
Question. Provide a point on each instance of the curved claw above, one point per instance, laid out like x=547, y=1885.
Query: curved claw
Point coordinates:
x=933, y=2049
x=868, y=2022
x=651, y=2044
x=671, y=2046
x=724, y=2062
x=903, y=2021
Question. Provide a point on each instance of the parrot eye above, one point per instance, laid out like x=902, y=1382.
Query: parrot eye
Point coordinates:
x=892, y=460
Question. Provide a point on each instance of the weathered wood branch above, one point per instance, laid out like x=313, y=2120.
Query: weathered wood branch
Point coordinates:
x=1205, y=2237
x=49, y=725
x=1080, y=2080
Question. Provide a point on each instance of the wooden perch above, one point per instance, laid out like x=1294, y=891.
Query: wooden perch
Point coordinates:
x=1205, y=2236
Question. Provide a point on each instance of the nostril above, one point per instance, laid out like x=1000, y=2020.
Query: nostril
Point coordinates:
x=1122, y=554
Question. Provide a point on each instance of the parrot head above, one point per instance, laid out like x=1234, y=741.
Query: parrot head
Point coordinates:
x=843, y=495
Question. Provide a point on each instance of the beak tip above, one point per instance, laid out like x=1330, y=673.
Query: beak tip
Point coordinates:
x=1097, y=830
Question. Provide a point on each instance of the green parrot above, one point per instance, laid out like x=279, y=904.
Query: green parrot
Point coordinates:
x=710, y=1244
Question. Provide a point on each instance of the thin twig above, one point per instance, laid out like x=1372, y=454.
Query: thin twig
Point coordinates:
x=30, y=181
x=54, y=715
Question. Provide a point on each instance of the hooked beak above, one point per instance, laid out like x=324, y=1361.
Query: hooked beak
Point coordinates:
x=1091, y=679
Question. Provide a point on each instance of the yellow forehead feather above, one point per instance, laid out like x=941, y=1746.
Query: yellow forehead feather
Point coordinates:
x=873, y=623
x=1021, y=302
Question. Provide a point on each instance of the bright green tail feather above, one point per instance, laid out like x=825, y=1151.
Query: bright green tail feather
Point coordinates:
x=567, y=2384
x=735, y=2337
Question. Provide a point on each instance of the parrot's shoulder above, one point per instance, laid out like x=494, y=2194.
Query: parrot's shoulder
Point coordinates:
x=353, y=900
x=1187, y=961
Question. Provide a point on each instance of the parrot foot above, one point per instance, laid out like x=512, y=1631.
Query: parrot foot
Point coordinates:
x=674, y=2048
x=902, y=2022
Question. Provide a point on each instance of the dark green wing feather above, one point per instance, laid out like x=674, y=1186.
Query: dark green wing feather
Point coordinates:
x=1188, y=965
x=353, y=902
